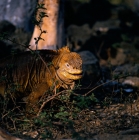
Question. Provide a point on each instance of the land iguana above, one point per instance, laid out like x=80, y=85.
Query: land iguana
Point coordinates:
x=31, y=74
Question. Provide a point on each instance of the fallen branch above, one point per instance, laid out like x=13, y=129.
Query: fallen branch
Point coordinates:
x=6, y=136
x=51, y=98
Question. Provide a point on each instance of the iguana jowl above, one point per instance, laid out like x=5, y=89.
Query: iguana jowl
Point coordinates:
x=31, y=75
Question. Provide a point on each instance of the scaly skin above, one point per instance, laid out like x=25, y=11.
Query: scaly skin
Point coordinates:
x=34, y=77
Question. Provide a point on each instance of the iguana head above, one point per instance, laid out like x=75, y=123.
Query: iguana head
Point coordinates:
x=69, y=65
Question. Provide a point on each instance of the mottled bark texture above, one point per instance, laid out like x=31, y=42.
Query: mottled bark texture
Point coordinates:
x=53, y=25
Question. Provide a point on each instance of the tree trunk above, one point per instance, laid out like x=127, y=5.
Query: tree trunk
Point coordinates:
x=51, y=25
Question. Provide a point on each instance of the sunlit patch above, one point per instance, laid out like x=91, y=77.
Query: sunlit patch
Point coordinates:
x=73, y=76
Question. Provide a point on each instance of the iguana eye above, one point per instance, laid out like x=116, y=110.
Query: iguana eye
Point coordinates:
x=67, y=65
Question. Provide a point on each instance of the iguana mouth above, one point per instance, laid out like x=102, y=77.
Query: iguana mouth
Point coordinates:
x=73, y=75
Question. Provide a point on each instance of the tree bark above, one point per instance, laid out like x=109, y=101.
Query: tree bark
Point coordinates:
x=49, y=24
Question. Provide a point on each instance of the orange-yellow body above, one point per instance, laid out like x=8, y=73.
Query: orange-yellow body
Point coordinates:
x=30, y=75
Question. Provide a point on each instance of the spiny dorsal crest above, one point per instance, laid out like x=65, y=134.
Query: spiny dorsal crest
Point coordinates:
x=64, y=50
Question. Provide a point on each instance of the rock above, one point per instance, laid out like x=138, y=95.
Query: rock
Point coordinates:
x=129, y=3
x=123, y=52
x=115, y=2
x=126, y=70
x=88, y=57
x=6, y=26
x=21, y=37
x=4, y=49
x=136, y=2
x=18, y=12
x=105, y=26
x=16, y=34
x=116, y=58
x=130, y=74
x=133, y=81
x=90, y=67
x=78, y=35
x=119, y=59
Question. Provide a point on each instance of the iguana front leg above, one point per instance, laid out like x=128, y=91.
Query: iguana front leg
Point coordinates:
x=32, y=103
